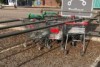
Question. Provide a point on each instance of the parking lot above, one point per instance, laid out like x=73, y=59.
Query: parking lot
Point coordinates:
x=15, y=55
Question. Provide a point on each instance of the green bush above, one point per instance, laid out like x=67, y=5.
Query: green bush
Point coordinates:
x=1, y=1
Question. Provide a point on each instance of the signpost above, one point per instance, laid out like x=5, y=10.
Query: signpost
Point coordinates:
x=81, y=8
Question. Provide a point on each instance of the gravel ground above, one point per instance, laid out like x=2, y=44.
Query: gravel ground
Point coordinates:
x=11, y=41
x=30, y=56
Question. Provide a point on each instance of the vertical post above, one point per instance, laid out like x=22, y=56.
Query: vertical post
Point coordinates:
x=16, y=2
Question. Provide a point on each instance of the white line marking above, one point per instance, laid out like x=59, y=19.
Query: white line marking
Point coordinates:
x=10, y=48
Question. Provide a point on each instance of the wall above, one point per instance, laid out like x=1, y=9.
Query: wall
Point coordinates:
x=49, y=3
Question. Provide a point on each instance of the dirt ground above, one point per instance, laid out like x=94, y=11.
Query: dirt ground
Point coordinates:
x=15, y=55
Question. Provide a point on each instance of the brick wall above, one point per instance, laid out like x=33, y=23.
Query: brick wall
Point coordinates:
x=51, y=3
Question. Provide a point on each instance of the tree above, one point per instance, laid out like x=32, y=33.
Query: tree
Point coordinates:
x=1, y=1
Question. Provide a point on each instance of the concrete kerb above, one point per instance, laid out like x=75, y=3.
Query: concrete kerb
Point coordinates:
x=95, y=39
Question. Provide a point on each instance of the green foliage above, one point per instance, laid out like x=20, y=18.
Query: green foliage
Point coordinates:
x=33, y=0
x=1, y=1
